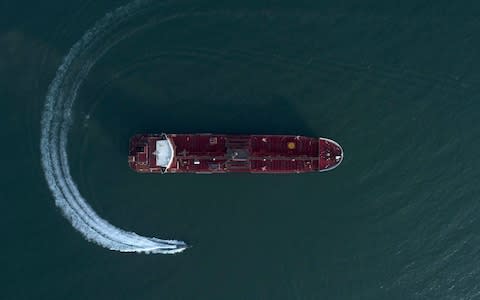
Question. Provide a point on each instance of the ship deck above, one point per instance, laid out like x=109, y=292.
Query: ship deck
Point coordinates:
x=207, y=153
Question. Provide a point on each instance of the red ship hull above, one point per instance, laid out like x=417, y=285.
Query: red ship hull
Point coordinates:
x=213, y=153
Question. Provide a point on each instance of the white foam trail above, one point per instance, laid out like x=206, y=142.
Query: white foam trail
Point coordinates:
x=56, y=121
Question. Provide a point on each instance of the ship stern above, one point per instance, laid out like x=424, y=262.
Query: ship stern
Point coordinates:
x=137, y=153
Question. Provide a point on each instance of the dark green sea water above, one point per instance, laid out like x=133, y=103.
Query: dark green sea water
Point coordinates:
x=396, y=83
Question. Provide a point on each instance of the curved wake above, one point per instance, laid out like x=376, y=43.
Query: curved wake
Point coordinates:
x=55, y=124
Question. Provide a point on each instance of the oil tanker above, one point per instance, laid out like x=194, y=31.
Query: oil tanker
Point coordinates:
x=217, y=153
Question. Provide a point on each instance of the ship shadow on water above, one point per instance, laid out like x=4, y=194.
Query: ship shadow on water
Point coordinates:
x=246, y=115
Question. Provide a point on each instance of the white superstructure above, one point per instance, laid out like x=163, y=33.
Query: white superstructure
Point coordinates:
x=164, y=153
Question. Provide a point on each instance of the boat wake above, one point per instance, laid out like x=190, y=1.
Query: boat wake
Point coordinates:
x=55, y=124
